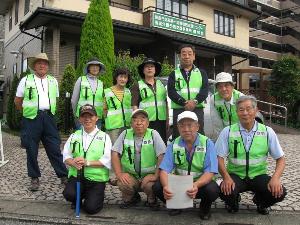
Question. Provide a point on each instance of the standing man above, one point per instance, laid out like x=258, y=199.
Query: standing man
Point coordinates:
x=88, y=89
x=190, y=154
x=246, y=145
x=88, y=151
x=36, y=97
x=136, y=156
x=223, y=102
x=187, y=88
x=151, y=95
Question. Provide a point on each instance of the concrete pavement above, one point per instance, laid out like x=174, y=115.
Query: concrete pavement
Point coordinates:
x=17, y=201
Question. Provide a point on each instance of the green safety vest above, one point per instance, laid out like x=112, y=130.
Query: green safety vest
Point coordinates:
x=183, y=166
x=188, y=90
x=86, y=96
x=118, y=113
x=228, y=116
x=148, y=154
x=252, y=163
x=154, y=103
x=93, y=153
x=31, y=96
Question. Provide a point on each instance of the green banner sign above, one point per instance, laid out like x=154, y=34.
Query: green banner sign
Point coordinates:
x=172, y=23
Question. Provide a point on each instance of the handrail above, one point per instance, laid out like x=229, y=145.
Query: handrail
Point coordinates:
x=152, y=8
x=270, y=113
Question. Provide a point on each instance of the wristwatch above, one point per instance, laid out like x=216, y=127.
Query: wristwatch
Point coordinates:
x=196, y=101
x=88, y=163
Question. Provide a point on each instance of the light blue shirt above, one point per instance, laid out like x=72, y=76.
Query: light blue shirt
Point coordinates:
x=210, y=161
x=275, y=149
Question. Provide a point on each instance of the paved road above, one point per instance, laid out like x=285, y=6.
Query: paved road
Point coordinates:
x=14, y=181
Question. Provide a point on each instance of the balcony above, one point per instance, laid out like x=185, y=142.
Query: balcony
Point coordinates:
x=154, y=17
x=263, y=35
x=265, y=54
x=242, y=2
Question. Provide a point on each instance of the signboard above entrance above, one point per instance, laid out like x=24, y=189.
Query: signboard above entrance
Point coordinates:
x=176, y=24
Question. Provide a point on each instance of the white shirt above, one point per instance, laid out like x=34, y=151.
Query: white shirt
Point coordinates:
x=86, y=141
x=42, y=88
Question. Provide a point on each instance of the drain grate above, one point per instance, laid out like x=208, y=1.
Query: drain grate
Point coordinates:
x=235, y=224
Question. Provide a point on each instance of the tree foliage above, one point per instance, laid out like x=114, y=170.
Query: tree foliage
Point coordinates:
x=97, y=39
x=124, y=59
x=285, y=81
x=14, y=116
x=66, y=85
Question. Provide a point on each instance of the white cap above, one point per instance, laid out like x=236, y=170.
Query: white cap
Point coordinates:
x=137, y=111
x=187, y=114
x=224, y=77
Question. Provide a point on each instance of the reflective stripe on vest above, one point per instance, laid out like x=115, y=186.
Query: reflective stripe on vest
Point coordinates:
x=31, y=96
x=86, y=96
x=228, y=116
x=189, y=90
x=154, y=103
x=183, y=166
x=118, y=113
x=252, y=163
x=148, y=155
x=94, y=153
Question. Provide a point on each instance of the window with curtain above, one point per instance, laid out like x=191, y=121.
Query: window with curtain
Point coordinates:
x=177, y=8
x=224, y=24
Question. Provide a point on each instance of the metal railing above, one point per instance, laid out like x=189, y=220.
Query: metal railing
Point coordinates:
x=171, y=13
x=273, y=111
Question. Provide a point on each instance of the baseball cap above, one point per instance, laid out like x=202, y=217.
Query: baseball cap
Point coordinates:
x=224, y=78
x=87, y=109
x=187, y=114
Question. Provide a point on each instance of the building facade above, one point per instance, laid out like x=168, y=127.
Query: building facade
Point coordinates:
x=219, y=29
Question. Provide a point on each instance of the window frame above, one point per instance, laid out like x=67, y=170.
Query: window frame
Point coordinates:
x=225, y=24
x=17, y=11
x=172, y=13
x=26, y=6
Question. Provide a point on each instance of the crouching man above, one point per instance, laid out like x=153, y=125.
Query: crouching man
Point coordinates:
x=88, y=152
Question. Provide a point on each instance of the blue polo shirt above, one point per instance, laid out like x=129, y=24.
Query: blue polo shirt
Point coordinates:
x=210, y=161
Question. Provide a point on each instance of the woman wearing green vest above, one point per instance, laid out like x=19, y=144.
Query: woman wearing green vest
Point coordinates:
x=117, y=104
x=88, y=89
x=88, y=152
x=150, y=94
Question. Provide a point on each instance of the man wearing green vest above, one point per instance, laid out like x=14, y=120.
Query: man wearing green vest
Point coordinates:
x=190, y=154
x=150, y=94
x=88, y=89
x=247, y=145
x=222, y=103
x=187, y=88
x=36, y=97
x=88, y=151
x=136, y=156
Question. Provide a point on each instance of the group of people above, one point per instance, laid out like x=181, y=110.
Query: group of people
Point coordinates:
x=135, y=122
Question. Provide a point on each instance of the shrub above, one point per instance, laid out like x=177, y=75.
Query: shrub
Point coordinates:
x=66, y=85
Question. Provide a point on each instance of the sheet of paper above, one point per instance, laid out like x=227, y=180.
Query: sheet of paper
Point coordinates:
x=178, y=185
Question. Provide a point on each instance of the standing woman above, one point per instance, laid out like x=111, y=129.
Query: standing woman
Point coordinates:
x=117, y=104
x=150, y=94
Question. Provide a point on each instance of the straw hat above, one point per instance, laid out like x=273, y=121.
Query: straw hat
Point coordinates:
x=40, y=56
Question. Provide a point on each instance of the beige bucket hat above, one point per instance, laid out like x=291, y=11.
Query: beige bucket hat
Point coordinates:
x=40, y=56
